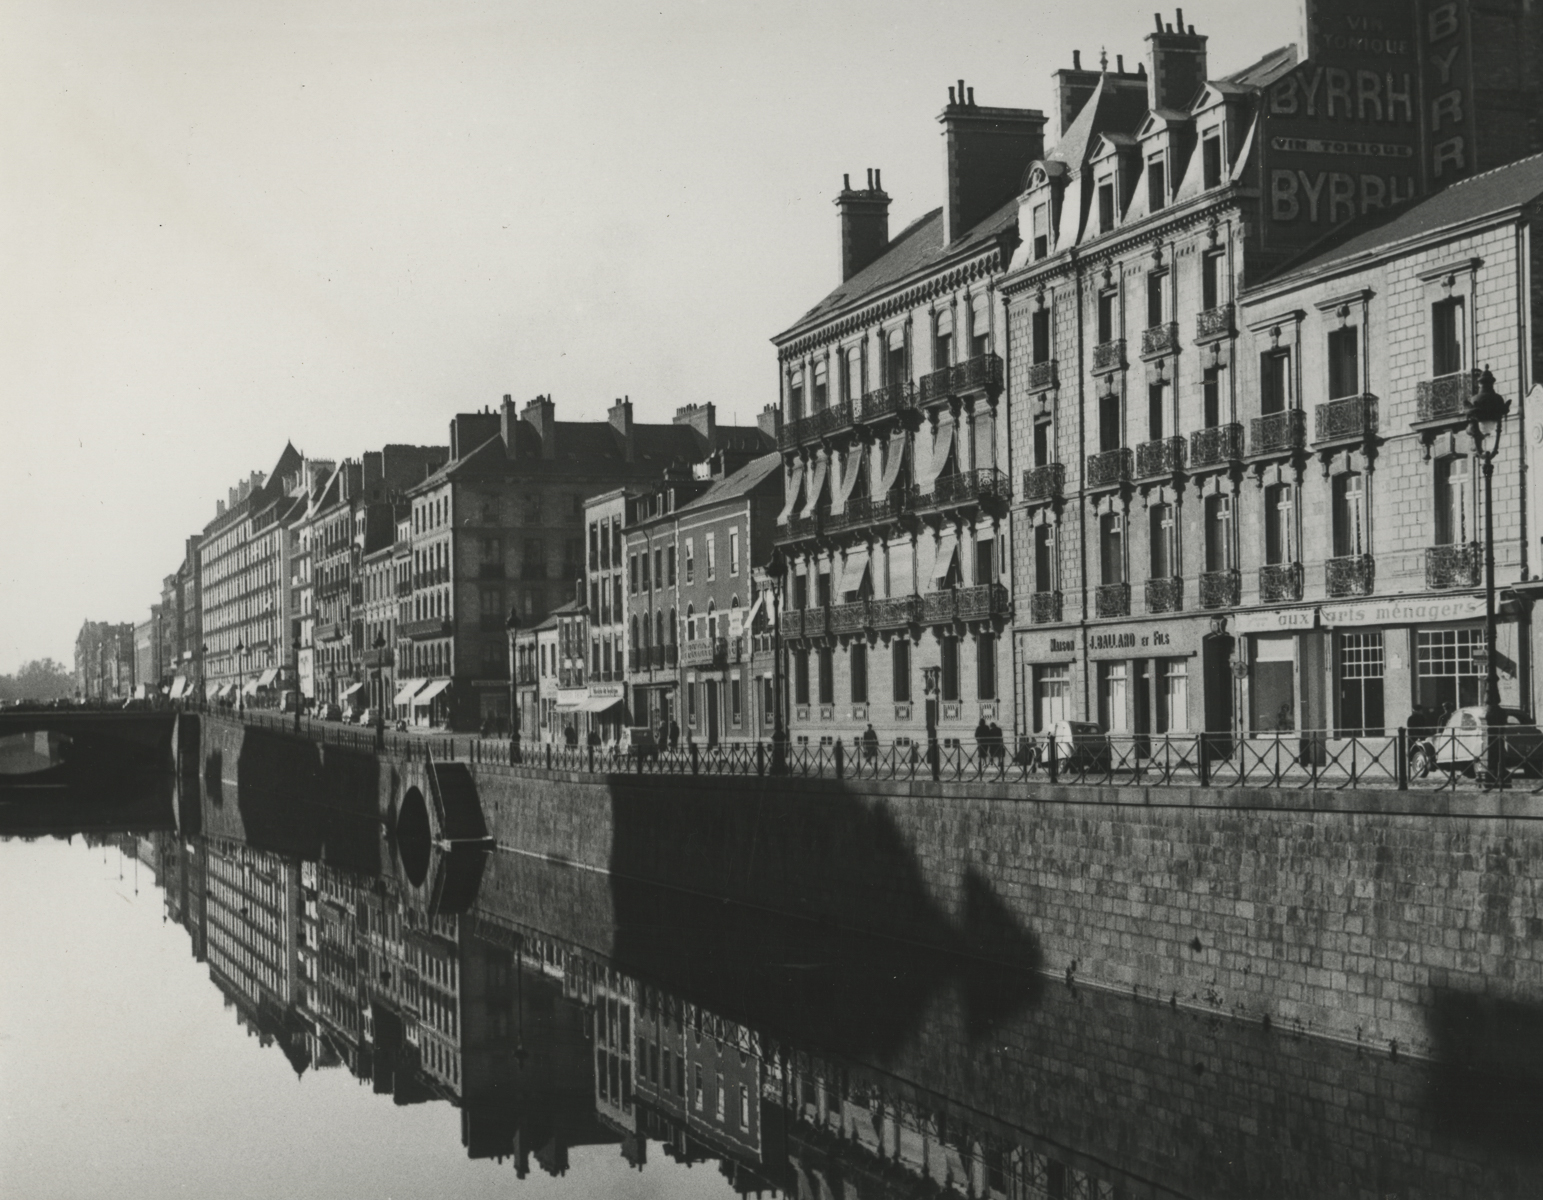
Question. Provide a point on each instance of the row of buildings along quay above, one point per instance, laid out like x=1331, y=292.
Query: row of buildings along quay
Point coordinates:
x=1162, y=420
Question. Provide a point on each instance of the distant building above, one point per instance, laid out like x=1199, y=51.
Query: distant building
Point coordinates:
x=104, y=661
x=147, y=654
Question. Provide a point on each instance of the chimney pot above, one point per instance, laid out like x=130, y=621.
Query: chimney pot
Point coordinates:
x=950, y=95
x=878, y=180
x=1076, y=60
x=971, y=100
x=1158, y=17
x=1178, y=19
x=1119, y=64
x=961, y=91
x=846, y=183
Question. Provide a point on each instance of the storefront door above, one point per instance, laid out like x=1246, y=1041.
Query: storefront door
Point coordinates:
x=1272, y=684
x=1216, y=654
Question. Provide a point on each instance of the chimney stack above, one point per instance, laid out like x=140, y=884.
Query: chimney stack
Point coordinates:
x=864, y=223
x=621, y=421
x=701, y=417
x=770, y=421
x=541, y=413
x=986, y=152
x=1178, y=59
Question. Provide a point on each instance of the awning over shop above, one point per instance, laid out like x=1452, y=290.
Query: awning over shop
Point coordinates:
x=251, y=687
x=267, y=677
x=405, y=693
x=141, y=692
x=351, y=689
x=426, y=697
x=599, y=705
x=179, y=687
x=568, y=706
x=212, y=690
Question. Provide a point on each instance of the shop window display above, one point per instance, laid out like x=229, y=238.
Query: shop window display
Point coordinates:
x=1360, y=685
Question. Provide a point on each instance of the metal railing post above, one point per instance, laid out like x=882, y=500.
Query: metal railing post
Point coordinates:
x=1054, y=760
x=696, y=762
x=760, y=758
x=840, y=758
x=591, y=758
x=1401, y=765
x=1203, y=759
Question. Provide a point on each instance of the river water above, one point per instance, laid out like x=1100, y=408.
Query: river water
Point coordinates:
x=276, y=1015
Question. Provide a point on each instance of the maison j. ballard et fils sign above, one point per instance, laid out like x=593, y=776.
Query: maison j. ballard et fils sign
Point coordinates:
x=1380, y=111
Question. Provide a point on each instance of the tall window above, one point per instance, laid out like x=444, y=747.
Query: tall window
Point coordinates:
x=827, y=677
x=801, y=678
x=986, y=666
x=980, y=327
x=900, y=662
x=632, y=574
x=943, y=340
x=712, y=557
x=1211, y=396
x=1344, y=362
x=852, y=373
x=796, y=397
x=1211, y=280
x=822, y=589
x=1453, y=496
x=1112, y=692
x=1052, y=696
x=1106, y=322
x=1211, y=160
x=894, y=357
x=859, y=672
x=1041, y=443
x=1274, y=381
x=690, y=559
x=950, y=662
x=1172, y=695
x=1449, y=678
x=1111, y=544
x=1041, y=226
x=1449, y=335
x=1157, y=298
x=1160, y=517
x=821, y=394
x=1157, y=411
x=1044, y=558
x=1110, y=434
x=1349, y=514
x=669, y=562
x=1218, y=533
x=1106, y=207
x=985, y=562
x=643, y=564
x=734, y=553
x=1039, y=335
x=1360, y=684
x=1280, y=524
x=1157, y=185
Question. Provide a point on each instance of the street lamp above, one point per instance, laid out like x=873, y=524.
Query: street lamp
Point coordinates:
x=203, y=683
x=1486, y=422
x=512, y=627
x=241, y=677
x=294, y=647
x=378, y=645
x=776, y=570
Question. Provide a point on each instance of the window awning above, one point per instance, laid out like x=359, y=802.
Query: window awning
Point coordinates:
x=894, y=458
x=794, y=482
x=178, y=686
x=351, y=689
x=948, y=548
x=928, y=469
x=816, y=485
x=250, y=689
x=424, y=698
x=846, y=481
x=405, y=692
x=212, y=690
x=603, y=705
x=267, y=677
x=852, y=572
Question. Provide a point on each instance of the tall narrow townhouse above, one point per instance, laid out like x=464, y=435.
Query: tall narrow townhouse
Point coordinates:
x=893, y=532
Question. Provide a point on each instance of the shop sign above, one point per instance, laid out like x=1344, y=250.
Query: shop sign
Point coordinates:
x=1405, y=612
x=1161, y=640
x=605, y=691
x=1280, y=620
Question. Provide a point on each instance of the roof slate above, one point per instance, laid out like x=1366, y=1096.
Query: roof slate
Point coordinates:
x=739, y=484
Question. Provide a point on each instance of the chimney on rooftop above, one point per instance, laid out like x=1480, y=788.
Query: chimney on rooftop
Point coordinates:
x=986, y=151
x=541, y=413
x=621, y=421
x=701, y=417
x=770, y=421
x=1178, y=59
x=864, y=223
x=1073, y=89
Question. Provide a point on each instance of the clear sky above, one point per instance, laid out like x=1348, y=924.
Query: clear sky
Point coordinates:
x=228, y=225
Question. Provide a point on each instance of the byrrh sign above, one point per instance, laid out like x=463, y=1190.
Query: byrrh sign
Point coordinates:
x=1380, y=112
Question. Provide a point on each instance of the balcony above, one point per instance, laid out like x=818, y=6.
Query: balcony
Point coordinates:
x=1213, y=324
x=1041, y=484
x=1351, y=575
x=705, y=652
x=1215, y=447
x=1160, y=340
x=1109, y=469
x=1109, y=357
x=888, y=400
x=1445, y=399
x=800, y=526
x=982, y=602
x=864, y=511
x=331, y=588
x=983, y=373
x=1457, y=566
x=1280, y=582
x=1040, y=377
x=1044, y=607
x=373, y=659
x=490, y=570
x=849, y=618
x=1351, y=419
x=1279, y=433
x=1220, y=589
x=895, y=612
x=1112, y=600
x=1165, y=595
x=430, y=628
x=1165, y=456
x=330, y=631
x=804, y=623
x=986, y=485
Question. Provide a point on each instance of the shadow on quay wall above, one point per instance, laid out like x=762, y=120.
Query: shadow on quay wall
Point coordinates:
x=1487, y=1085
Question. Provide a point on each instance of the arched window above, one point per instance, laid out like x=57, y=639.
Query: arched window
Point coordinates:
x=659, y=628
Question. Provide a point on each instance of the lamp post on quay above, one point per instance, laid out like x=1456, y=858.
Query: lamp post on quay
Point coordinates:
x=379, y=645
x=294, y=648
x=241, y=677
x=776, y=571
x=512, y=627
x=1486, y=422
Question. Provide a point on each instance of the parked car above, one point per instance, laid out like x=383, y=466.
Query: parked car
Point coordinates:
x=330, y=712
x=1081, y=746
x=1466, y=740
x=642, y=742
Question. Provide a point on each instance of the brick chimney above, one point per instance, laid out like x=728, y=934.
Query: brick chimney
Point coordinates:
x=864, y=223
x=987, y=151
x=1073, y=88
x=621, y=421
x=1177, y=57
x=770, y=421
x=701, y=417
x=541, y=413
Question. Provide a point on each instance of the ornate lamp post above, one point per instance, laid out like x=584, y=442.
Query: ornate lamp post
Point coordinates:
x=241, y=677
x=512, y=627
x=203, y=683
x=1486, y=422
x=776, y=570
x=378, y=645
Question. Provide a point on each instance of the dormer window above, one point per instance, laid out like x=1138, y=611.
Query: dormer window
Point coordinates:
x=1157, y=184
x=1041, y=219
x=1106, y=206
x=1211, y=159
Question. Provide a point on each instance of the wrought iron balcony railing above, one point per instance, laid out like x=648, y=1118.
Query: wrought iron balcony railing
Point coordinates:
x=863, y=511
x=432, y=627
x=1352, y=418
x=1109, y=356
x=1456, y=566
x=981, y=373
x=849, y=618
x=1159, y=339
x=1220, y=589
x=1044, y=607
x=1165, y=456
x=1165, y=595
x=1213, y=323
x=800, y=526
x=1112, y=600
x=1279, y=432
x=1109, y=469
x=330, y=631
x=965, y=604
x=1044, y=483
x=1280, y=582
x=983, y=485
x=1217, y=446
x=1351, y=575
x=895, y=612
x=887, y=400
x=1447, y=397
x=1040, y=376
